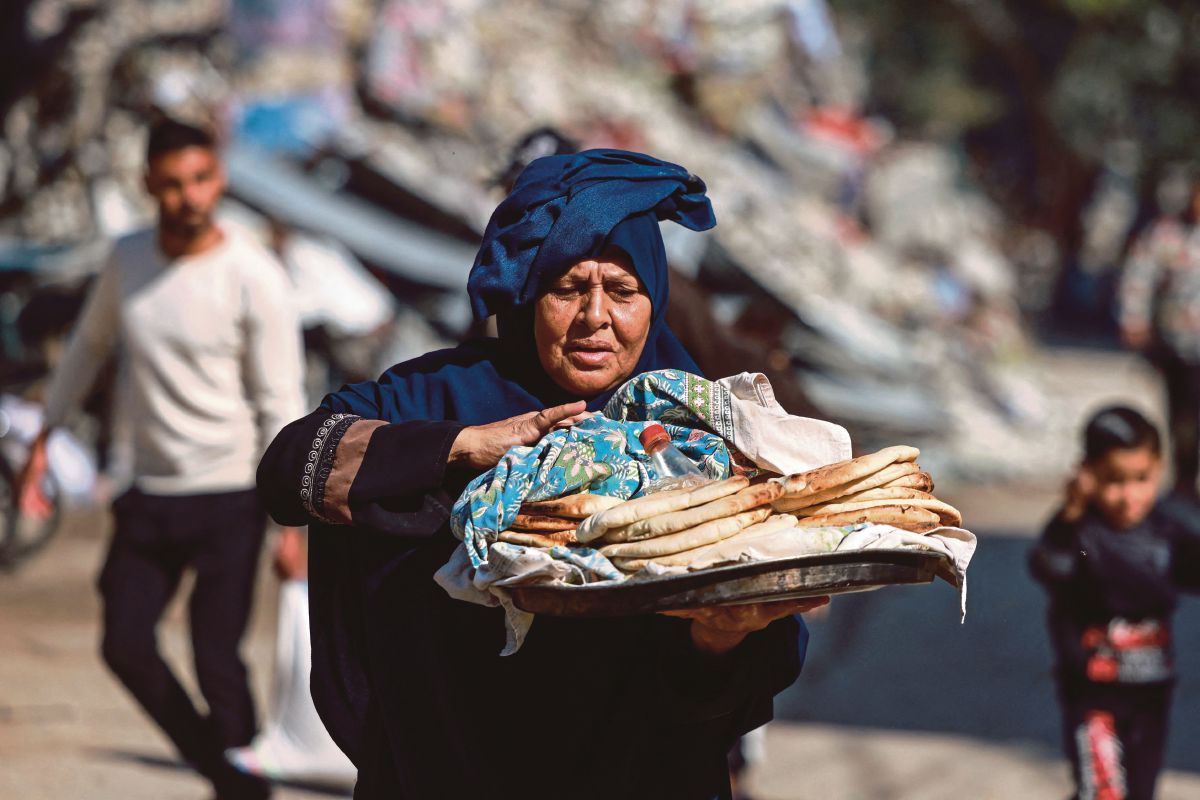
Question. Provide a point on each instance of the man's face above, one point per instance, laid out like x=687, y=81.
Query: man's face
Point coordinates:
x=187, y=185
x=1126, y=484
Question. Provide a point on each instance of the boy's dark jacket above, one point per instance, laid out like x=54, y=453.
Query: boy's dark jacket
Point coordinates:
x=1112, y=593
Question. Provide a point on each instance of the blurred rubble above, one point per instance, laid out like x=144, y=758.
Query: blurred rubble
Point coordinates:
x=861, y=269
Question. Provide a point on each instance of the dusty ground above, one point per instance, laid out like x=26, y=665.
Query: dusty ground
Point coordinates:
x=898, y=701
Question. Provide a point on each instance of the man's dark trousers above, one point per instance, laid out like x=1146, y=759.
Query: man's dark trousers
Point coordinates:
x=156, y=538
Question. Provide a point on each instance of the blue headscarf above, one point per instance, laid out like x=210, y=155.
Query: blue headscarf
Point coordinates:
x=563, y=209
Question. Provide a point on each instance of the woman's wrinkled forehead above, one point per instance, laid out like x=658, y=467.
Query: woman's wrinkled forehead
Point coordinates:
x=611, y=263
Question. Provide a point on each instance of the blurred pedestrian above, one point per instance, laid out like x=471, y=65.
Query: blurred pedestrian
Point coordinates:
x=1159, y=315
x=347, y=315
x=1113, y=561
x=209, y=349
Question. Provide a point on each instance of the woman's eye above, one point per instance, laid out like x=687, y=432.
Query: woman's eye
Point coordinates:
x=623, y=292
x=565, y=292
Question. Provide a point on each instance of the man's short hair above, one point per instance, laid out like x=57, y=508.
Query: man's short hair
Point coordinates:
x=168, y=136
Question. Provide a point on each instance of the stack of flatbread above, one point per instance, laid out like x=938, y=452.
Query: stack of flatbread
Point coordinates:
x=884, y=488
x=547, y=523
x=685, y=526
x=663, y=525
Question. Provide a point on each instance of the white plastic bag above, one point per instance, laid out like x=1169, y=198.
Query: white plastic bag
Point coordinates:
x=294, y=745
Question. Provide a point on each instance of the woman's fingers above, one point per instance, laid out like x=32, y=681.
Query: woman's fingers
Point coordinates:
x=547, y=418
x=571, y=422
x=482, y=446
x=749, y=617
x=719, y=629
x=544, y=421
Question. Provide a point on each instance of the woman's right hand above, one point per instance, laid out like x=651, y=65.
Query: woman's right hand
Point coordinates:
x=481, y=447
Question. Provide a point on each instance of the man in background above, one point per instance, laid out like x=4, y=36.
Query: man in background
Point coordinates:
x=1159, y=315
x=210, y=370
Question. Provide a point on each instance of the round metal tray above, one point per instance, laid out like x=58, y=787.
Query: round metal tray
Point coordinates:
x=778, y=579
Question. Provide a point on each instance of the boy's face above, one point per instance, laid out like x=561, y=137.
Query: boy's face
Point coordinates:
x=1125, y=485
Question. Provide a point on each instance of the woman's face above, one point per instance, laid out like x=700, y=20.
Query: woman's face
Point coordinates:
x=591, y=323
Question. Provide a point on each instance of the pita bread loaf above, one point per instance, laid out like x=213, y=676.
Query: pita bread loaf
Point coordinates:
x=916, y=480
x=707, y=533
x=538, y=539
x=947, y=513
x=652, y=505
x=829, y=476
x=909, y=518
x=574, y=506
x=771, y=525
x=885, y=477
x=538, y=522
x=883, y=493
x=748, y=498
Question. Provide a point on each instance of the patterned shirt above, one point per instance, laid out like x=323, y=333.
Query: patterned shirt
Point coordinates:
x=1160, y=286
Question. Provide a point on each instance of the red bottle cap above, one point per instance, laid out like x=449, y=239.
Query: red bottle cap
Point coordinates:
x=654, y=436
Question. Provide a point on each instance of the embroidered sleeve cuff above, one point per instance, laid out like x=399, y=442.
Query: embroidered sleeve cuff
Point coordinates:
x=347, y=461
x=357, y=467
x=319, y=466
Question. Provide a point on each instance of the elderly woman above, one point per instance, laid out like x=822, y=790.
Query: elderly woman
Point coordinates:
x=408, y=681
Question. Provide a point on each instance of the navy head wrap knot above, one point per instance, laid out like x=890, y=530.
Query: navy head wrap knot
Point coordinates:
x=565, y=208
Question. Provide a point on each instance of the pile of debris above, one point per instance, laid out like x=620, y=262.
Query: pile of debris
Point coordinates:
x=855, y=266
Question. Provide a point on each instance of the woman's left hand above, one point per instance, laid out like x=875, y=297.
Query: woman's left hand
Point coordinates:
x=719, y=629
x=481, y=447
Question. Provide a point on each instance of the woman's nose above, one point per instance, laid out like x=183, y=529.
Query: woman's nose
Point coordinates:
x=595, y=308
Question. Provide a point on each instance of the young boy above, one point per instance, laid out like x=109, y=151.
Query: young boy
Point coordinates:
x=1113, y=560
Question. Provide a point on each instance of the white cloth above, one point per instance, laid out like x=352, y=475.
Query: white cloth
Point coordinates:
x=210, y=359
x=294, y=744
x=514, y=564
x=772, y=438
x=955, y=543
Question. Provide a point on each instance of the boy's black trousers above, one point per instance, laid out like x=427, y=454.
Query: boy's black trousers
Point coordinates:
x=1115, y=737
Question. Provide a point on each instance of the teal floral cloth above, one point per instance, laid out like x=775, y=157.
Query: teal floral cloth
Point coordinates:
x=602, y=454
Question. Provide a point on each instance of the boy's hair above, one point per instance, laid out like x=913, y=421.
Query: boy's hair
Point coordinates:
x=1118, y=428
x=168, y=136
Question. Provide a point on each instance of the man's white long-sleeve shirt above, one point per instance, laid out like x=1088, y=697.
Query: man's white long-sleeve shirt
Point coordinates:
x=210, y=359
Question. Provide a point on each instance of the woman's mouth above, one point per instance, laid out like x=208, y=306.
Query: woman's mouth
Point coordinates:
x=589, y=354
